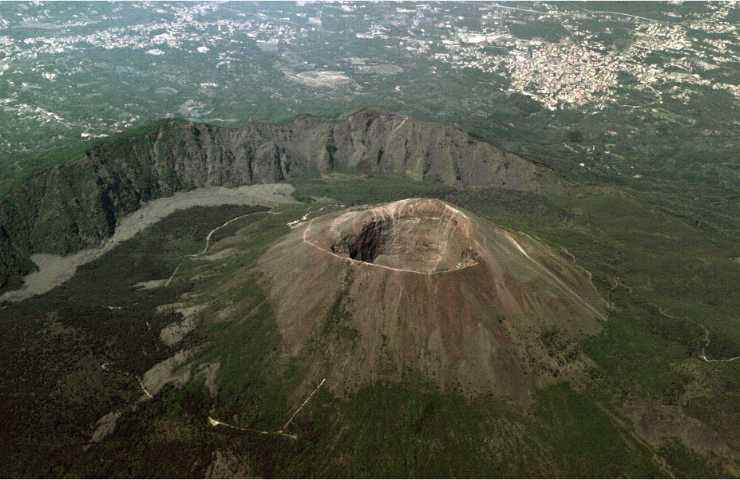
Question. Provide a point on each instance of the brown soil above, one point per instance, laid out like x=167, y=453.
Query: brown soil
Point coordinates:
x=420, y=286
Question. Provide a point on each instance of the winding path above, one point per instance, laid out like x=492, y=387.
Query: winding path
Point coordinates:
x=282, y=431
x=208, y=241
x=54, y=270
x=223, y=225
x=703, y=354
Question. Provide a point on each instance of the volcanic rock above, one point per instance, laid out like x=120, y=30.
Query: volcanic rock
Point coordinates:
x=79, y=203
x=419, y=287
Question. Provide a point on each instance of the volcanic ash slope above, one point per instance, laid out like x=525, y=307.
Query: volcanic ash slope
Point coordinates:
x=419, y=287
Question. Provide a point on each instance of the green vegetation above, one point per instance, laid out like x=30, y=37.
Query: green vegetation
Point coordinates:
x=39, y=161
x=687, y=464
x=653, y=334
x=651, y=211
x=586, y=440
x=82, y=345
x=660, y=271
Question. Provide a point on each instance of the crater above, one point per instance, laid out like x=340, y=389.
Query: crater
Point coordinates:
x=425, y=287
x=417, y=235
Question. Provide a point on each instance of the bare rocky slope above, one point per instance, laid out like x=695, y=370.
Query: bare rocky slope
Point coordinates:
x=420, y=286
x=78, y=204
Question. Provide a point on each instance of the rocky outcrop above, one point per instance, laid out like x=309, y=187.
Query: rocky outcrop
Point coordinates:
x=78, y=204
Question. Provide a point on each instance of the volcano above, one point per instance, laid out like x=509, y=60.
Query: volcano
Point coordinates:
x=418, y=287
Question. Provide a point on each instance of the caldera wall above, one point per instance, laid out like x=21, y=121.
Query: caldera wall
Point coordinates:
x=78, y=204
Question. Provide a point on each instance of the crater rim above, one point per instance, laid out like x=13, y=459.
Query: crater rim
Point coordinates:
x=416, y=235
